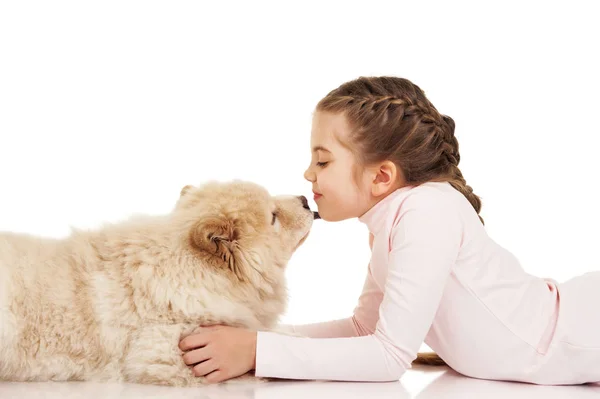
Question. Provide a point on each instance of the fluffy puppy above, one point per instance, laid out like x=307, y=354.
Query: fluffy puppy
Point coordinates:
x=112, y=304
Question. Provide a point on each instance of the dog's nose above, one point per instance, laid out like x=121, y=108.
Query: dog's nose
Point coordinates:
x=304, y=202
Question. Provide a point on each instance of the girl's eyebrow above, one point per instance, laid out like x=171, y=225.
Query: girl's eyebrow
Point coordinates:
x=320, y=148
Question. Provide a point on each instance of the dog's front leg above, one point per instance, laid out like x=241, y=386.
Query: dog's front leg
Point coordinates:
x=153, y=357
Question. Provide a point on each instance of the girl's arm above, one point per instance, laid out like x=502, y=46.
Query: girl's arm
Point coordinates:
x=424, y=246
x=361, y=323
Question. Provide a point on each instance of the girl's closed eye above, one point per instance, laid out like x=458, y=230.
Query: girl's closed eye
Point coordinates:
x=322, y=164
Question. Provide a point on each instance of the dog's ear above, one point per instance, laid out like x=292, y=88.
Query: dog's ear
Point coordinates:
x=218, y=236
x=215, y=235
x=185, y=190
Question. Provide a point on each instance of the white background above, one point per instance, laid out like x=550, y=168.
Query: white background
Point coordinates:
x=109, y=108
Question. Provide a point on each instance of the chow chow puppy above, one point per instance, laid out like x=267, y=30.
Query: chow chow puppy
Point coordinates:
x=112, y=304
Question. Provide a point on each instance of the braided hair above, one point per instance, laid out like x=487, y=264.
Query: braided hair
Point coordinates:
x=391, y=119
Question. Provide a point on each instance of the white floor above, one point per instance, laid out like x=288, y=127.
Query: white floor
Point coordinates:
x=422, y=384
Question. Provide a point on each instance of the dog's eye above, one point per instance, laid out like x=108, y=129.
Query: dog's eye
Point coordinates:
x=274, y=218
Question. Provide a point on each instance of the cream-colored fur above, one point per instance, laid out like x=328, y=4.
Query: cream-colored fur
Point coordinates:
x=113, y=303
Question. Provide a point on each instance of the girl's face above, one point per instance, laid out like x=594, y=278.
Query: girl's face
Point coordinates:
x=337, y=195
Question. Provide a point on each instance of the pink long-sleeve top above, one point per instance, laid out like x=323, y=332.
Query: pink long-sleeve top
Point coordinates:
x=435, y=276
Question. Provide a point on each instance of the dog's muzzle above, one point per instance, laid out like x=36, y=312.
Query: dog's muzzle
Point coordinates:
x=305, y=206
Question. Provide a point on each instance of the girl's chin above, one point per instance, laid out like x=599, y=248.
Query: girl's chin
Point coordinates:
x=323, y=214
x=329, y=217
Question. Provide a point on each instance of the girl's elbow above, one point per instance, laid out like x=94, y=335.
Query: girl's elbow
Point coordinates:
x=394, y=361
x=389, y=376
x=397, y=372
x=391, y=371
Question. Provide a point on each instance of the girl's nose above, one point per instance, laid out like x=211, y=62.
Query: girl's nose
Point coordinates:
x=310, y=176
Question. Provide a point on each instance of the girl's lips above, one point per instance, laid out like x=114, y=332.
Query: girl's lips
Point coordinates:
x=317, y=196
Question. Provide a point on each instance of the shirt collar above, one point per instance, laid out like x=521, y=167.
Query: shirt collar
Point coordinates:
x=376, y=217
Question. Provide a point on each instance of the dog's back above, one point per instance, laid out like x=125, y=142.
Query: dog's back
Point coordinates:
x=69, y=307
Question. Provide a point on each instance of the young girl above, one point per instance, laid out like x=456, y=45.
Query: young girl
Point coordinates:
x=383, y=153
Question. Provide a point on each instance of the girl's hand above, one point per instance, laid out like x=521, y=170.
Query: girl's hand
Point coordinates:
x=220, y=352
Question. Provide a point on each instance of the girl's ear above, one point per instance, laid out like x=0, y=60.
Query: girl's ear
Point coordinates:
x=385, y=178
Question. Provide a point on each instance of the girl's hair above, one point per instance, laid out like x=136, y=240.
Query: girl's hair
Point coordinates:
x=391, y=119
